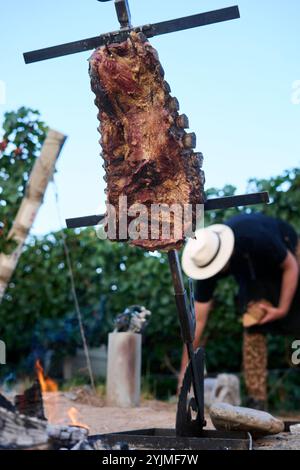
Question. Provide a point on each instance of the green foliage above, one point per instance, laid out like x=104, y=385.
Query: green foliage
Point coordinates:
x=284, y=196
x=23, y=135
x=284, y=390
x=110, y=275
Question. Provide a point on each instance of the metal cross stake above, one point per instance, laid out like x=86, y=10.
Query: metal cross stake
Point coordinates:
x=124, y=18
x=123, y=12
x=194, y=378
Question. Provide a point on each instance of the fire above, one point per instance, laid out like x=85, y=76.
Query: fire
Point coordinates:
x=73, y=415
x=51, y=403
x=47, y=384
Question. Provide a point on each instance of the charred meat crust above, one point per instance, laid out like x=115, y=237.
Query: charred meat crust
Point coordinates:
x=148, y=156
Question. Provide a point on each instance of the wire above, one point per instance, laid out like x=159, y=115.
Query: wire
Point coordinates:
x=73, y=288
x=250, y=441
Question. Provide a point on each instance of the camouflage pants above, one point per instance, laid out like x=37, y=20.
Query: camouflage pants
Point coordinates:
x=255, y=360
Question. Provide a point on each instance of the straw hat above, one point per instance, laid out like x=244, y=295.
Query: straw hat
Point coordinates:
x=208, y=253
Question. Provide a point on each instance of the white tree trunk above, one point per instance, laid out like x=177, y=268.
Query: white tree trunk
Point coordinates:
x=40, y=176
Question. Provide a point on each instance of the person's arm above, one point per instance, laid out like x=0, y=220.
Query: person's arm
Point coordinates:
x=289, y=283
x=202, y=310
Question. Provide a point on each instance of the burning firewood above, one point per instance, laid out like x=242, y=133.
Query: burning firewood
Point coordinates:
x=66, y=436
x=22, y=432
x=148, y=156
x=23, y=425
x=6, y=404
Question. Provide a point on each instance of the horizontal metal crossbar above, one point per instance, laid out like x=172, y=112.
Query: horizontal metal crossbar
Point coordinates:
x=150, y=30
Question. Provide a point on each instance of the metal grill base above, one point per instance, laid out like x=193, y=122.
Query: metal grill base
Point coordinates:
x=166, y=439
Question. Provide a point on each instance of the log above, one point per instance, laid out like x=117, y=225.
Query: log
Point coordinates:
x=18, y=431
x=6, y=404
x=66, y=436
x=124, y=369
x=22, y=432
x=41, y=174
x=24, y=425
x=84, y=445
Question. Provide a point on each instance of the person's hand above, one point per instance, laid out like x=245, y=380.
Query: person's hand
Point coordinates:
x=271, y=313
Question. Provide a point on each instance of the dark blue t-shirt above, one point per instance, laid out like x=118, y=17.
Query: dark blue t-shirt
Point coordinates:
x=261, y=245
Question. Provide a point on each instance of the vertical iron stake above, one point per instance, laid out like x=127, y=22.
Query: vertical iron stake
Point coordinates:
x=188, y=326
x=123, y=13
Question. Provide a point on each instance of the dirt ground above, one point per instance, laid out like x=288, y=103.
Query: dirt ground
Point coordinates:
x=86, y=409
x=82, y=407
x=101, y=419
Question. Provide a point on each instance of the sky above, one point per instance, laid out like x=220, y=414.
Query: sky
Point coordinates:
x=238, y=82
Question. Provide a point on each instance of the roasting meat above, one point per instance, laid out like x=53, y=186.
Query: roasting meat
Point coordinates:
x=148, y=156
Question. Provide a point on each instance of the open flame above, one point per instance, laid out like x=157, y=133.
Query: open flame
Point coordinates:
x=73, y=414
x=47, y=384
x=51, y=404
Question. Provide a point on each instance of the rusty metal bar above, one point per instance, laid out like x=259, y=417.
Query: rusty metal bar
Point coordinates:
x=210, y=204
x=149, y=30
